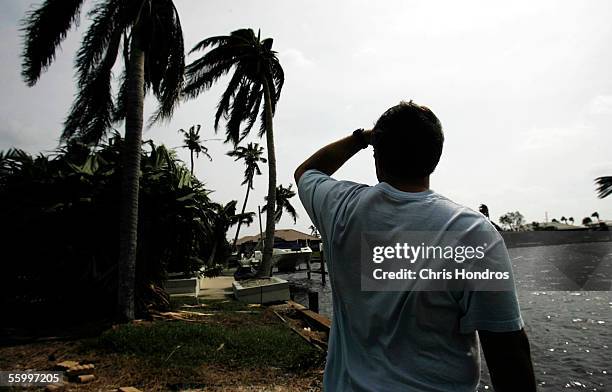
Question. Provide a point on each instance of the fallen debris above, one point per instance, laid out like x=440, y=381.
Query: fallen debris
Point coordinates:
x=86, y=378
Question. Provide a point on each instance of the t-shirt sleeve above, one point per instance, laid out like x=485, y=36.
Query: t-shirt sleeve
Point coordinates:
x=323, y=196
x=495, y=311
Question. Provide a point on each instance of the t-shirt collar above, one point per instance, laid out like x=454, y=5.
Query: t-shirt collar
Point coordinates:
x=405, y=195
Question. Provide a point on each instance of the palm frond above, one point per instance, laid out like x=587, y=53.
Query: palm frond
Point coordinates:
x=200, y=80
x=604, y=187
x=223, y=107
x=92, y=111
x=237, y=114
x=255, y=98
x=166, y=60
x=121, y=99
x=44, y=30
x=278, y=76
x=211, y=41
x=105, y=20
x=291, y=211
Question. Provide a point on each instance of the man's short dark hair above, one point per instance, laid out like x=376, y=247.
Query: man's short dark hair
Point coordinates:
x=408, y=141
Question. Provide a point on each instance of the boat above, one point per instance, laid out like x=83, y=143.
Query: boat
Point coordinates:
x=285, y=260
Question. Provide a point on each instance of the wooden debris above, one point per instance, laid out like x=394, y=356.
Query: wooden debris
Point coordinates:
x=128, y=389
x=65, y=365
x=86, y=378
x=80, y=369
x=279, y=316
x=322, y=321
x=181, y=315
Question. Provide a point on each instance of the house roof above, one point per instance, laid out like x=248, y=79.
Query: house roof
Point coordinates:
x=284, y=234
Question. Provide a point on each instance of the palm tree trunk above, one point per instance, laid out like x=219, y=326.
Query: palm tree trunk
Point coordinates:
x=132, y=146
x=266, y=264
x=213, y=254
x=192, y=162
x=243, y=209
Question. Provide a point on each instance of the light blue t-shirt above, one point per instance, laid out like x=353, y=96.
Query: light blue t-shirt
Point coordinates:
x=399, y=341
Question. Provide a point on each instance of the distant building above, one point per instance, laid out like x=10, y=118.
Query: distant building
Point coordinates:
x=546, y=226
x=283, y=238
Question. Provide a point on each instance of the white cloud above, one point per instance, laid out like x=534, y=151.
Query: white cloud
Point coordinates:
x=295, y=57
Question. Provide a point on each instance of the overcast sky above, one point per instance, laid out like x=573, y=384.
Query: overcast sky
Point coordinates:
x=523, y=90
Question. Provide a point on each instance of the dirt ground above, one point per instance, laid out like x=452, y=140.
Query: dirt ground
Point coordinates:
x=116, y=370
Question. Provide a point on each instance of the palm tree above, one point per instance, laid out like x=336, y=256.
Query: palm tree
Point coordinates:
x=604, y=188
x=257, y=75
x=563, y=219
x=571, y=220
x=595, y=215
x=194, y=143
x=150, y=35
x=282, y=203
x=586, y=221
x=252, y=156
x=225, y=216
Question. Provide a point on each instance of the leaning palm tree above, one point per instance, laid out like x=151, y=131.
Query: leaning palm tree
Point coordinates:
x=595, y=215
x=604, y=186
x=252, y=156
x=194, y=144
x=148, y=36
x=282, y=203
x=257, y=76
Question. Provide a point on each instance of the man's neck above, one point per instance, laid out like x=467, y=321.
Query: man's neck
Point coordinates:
x=418, y=185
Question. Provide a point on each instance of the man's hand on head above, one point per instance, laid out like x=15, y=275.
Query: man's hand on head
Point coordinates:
x=329, y=158
x=369, y=135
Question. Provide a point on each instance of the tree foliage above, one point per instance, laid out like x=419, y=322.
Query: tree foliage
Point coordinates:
x=253, y=62
x=283, y=196
x=512, y=220
x=61, y=227
x=107, y=38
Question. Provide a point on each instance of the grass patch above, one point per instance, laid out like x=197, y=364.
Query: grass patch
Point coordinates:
x=188, y=345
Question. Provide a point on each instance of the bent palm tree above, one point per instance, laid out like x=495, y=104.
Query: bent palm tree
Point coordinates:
x=194, y=144
x=282, y=203
x=257, y=75
x=150, y=35
x=252, y=155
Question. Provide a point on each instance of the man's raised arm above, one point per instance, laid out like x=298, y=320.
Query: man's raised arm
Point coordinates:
x=331, y=157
